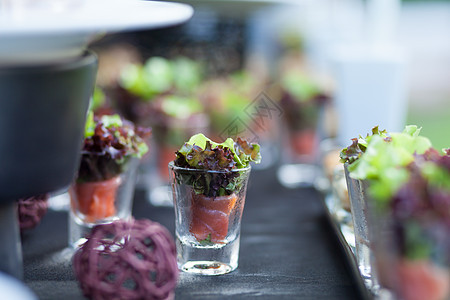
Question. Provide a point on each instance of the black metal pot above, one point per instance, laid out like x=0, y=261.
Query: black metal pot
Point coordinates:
x=42, y=116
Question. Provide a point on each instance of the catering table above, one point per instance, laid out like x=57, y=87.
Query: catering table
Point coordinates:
x=288, y=250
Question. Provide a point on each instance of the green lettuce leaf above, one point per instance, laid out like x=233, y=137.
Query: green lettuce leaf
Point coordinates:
x=300, y=86
x=132, y=78
x=160, y=75
x=188, y=75
x=180, y=107
x=247, y=152
x=243, y=152
x=89, y=128
x=111, y=121
x=385, y=159
x=98, y=99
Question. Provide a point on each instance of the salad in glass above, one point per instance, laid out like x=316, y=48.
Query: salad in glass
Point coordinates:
x=209, y=184
x=369, y=162
x=301, y=100
x=104, y=186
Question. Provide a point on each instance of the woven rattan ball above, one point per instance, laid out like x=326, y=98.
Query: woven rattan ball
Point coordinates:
x=31, y=210
x=133, y=259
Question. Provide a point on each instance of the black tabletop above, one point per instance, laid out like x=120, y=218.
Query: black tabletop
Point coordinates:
x=288, y=250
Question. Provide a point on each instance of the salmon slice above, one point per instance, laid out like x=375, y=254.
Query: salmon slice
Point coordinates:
x=422, y=280
x=303, y=142
x=95, y=200
x=210, y=216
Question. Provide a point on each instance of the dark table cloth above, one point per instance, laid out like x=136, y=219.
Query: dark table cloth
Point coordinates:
x=288, y=250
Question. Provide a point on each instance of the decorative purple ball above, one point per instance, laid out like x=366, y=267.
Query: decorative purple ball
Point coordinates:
x=31, y=210
x=133, y=259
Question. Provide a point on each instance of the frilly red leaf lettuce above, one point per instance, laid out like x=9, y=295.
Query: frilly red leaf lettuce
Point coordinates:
x=227, y=158
x=218, y=158
x=109, y=143
x=359, y=146
x=241, y=152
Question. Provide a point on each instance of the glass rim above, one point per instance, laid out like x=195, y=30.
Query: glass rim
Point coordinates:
x=176, y=168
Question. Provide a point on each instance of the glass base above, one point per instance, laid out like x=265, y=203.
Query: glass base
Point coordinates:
x=366, y=269
x=297, y=175
x=59, y=202
x=363, y=256
x=217, y=259
x=79, y=230
x=206, y=268
x=161, y=196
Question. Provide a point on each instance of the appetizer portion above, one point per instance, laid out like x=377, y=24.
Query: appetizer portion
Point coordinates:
x=408, y=206
x=216, y=175
x=302, y=99
x=109, y=147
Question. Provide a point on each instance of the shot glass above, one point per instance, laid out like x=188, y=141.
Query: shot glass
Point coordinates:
x=301, y=135
x=207, y=227
x=100, y=202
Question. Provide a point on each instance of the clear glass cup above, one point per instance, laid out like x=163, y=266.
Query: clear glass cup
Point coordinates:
x=100, y=202
x=357, y=192
x=301, y=135
x=207, y=227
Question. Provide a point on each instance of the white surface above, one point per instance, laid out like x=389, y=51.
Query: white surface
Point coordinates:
x=59, y=202
x=297, y=175
x=32, y=33
x=236, y=8
x=92, y=16
x=12, y=288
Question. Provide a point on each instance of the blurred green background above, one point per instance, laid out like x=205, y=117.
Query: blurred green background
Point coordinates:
x=435, y=125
